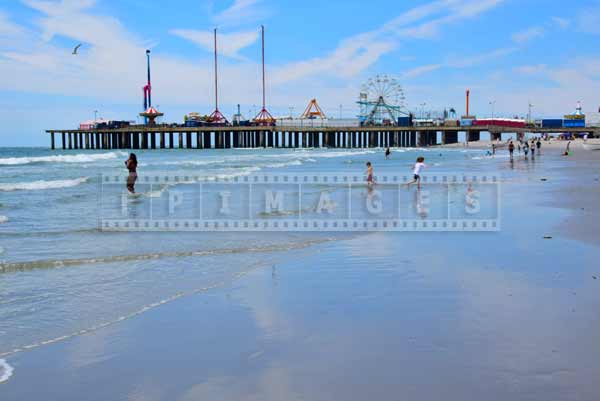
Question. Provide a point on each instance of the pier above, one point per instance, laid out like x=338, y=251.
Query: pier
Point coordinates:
x=226, y=137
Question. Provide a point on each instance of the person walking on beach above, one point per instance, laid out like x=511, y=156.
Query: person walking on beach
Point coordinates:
x=419, y=165
x=538, y=145
x=370, y=181
x=387, y=153
x=526, y=148
x=131, y=165
x=511, y=149
x=532, y=147
x=493, y=149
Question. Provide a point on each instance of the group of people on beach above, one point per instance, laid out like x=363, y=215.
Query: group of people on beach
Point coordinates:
x=525, y=146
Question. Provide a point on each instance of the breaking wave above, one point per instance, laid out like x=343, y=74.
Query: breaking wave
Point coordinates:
x=6, y=371
x=41, y=185
x=78, y=158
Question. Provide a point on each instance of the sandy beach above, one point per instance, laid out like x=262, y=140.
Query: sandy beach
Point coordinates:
x=416, y=315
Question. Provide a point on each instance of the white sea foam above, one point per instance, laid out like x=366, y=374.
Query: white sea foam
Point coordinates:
x=283, y=164
x=41, y=185
x=6, y=371
x=78, y=158
x=3, y=219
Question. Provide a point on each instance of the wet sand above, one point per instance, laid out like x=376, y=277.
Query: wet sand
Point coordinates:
x=505, y=315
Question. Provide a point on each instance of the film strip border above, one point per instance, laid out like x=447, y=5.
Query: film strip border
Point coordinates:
x=300, y=178
x=341, y=225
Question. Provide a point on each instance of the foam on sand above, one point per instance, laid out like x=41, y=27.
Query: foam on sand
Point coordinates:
x=41, y=185
x=6, y=371
x=78, y=158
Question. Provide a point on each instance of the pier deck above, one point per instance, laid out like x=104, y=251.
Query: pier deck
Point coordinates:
x=166, y=137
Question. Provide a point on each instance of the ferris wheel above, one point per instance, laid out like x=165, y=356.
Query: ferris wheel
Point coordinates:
x=381, y=101
x=384, y=88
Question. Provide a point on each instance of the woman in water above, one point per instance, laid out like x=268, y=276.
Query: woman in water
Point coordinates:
x=370, y=180
x=131, y=165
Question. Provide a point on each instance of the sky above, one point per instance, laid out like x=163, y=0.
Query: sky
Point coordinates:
x=509, y=53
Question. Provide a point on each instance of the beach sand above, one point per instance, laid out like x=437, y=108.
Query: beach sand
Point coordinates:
x=506, y=315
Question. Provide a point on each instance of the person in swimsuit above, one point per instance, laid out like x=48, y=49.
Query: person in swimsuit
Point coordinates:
x=387, y=153
x=419, y=165
x=131, y=165
x=370, y=180
x=511, y=148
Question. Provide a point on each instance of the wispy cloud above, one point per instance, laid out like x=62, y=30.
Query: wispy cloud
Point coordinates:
x=528, y=35
x=561, y=22
x=531, y=69
x=588, y=20
x=241, y=11
x=7, y=27
x=361, y=51
x=470, y=61
x=418, y=71
x=229, y=44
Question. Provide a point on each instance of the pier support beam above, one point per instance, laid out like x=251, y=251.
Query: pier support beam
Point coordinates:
x=180, y=140
x=473, y=136
x=52, y=140
x=449, y=137
x=162, y=140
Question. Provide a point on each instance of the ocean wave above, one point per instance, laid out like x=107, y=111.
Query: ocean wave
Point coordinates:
x=10, y=267
x=151, y=306
x=283, y=164
x=41, y=185
x=78, y=158
x=3, y=219
x=6, y=371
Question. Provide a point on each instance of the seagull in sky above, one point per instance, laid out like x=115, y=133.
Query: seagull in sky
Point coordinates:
x=76, y=48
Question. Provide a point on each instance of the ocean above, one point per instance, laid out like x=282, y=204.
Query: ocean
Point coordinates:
x=63, y=277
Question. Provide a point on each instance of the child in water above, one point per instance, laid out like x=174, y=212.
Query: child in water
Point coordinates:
x=370, y=180
x=131, y=165
x=417, y=172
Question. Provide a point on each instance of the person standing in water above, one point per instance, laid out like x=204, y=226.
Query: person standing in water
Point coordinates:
x=532, y=147
x=419, y=165
x=538, y=145
x=131, y=165
x=370, y=180
x=387, y=153
x=526, y=148
x=511, y=149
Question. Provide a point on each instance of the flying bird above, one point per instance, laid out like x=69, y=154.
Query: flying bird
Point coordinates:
x=76, y=48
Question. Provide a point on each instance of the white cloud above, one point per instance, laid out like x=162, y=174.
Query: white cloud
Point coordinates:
x=228, y=44
x=561, y=22
x=241, y=11
x=470, y=61
x=531, y=69
x=415, y=72
x=588, y=20
x=7, y=27
x=528, y=35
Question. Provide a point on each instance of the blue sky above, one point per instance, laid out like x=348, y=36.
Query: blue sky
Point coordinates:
x=509, y=52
